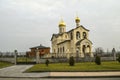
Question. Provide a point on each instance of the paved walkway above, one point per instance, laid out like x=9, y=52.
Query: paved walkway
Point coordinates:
x=17, y=71
x=85, y=74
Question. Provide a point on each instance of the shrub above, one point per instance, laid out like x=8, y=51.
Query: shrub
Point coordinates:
x=98, y=60
x=71, y=61
x=47, y=62
x=118, y=59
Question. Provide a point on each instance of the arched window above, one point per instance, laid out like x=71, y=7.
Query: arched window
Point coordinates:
x=58, y=50
x=83, y=49
x=65, y=36
x=63, y=49
x=60, y=29
x=63, y=30
x=88, y=49
x=88, y=45
x=84, y=35
x=77, y=35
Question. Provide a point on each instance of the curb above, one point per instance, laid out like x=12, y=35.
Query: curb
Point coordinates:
x=117, y=76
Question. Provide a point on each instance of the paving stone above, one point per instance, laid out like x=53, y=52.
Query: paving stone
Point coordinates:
x=17, y=71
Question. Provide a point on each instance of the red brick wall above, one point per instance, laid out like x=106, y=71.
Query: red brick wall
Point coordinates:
x=32, y=53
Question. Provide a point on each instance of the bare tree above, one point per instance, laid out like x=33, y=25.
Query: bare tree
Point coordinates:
x=99, y=51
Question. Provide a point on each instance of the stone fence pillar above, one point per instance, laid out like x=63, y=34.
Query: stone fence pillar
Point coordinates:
x=37, y=56
x=15, y=57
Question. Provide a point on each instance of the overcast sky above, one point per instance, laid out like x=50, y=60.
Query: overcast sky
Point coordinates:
x=29, y=23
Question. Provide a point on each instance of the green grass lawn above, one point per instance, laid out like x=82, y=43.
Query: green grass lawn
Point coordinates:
x=5, y=64
x=85, y=66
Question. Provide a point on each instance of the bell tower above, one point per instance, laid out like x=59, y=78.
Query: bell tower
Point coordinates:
x=62, y=26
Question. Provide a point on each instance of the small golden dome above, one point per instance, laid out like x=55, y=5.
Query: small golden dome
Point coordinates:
x=62, y=23
x=77, y=19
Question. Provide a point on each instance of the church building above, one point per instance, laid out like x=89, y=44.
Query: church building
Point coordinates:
x=73, y=42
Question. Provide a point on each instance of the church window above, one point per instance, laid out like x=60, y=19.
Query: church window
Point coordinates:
x=88, y=49
x=77, y=35
x=88, y=46
x=60, y=29
x=63, y=49
x=65, y=36
x=63, y=30
x=84, y=35
x=58, y=50
x=83, y=49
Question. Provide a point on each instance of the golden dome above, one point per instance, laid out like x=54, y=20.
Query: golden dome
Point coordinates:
x=62, y=23
x=77, y=19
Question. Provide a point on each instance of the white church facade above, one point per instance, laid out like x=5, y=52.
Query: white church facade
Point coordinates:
x=74, y=42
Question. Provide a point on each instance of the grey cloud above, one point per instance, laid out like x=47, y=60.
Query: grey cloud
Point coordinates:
x=26, y=23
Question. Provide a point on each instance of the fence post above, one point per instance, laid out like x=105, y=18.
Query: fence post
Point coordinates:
x=15, y=57
x=37, y=56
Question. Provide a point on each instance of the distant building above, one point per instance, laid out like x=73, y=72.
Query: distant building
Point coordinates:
x=75, y=41
x=42, y=51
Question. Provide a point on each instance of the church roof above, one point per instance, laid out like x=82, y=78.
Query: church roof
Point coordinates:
x=56, y=35
x=63, y=42
x=40, y=47
x=84, y=28
x=78, y=43
x=78, y=27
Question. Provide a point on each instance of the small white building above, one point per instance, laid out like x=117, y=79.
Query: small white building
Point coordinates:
x=75, y=41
